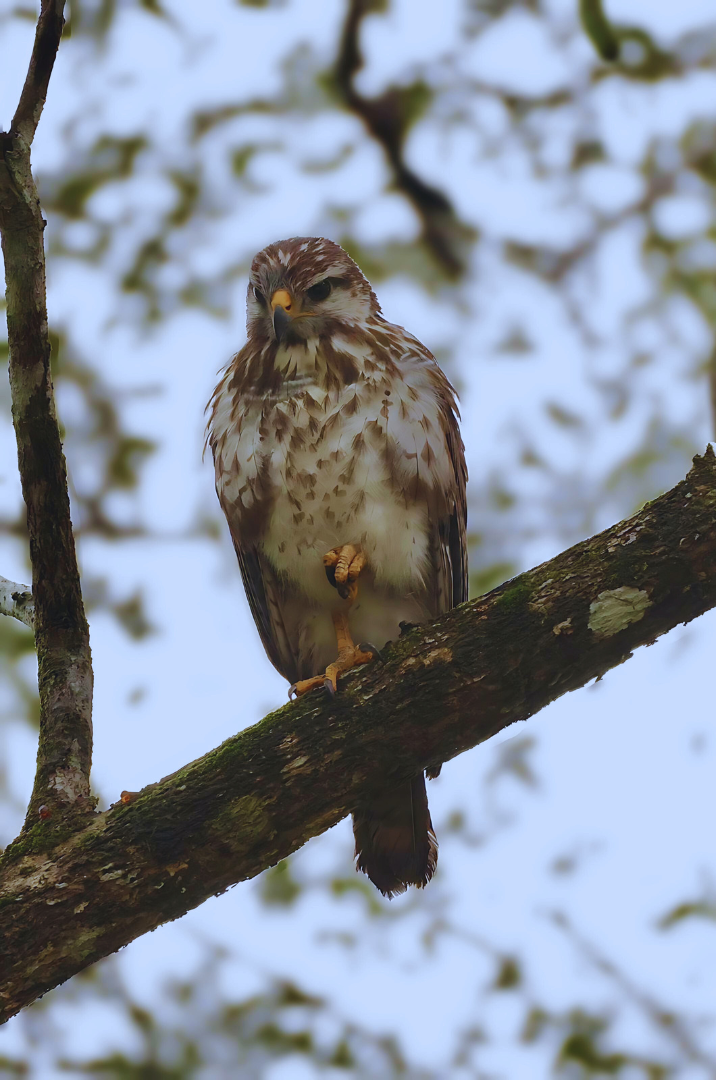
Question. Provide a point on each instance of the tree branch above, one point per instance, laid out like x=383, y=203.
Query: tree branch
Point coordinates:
x=598, y=28
x=68, y=898
x=16, y=601
x=388, y=119
x=32, y=99
x=61, y=632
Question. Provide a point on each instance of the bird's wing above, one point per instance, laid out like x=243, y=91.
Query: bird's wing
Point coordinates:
x=246, y=500
x=266, y=600
x=440, y=472
x=448, y=515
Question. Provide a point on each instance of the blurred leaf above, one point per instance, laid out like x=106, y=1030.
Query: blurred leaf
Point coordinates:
x=10, y=1067
x=489, y=577
x=278, y=886
x=129, y=455
x=509, y=975
x=588, y=152
x=110, y=158
x=188, y=190
x=16, y=640
x=563, y=417
x=581, y=1049
x=512, y=759
x=696, y=909
x=133, y=618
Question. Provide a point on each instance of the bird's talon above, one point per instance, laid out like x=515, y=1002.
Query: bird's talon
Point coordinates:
x=291, y=691
x=343, y=566
x=366, y=647
x=329, y=688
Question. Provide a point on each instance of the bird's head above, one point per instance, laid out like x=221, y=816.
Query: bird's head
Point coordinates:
x=303, y=288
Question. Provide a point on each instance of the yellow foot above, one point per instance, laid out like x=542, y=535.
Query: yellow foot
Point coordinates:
x=343, y=566
x=349, y=656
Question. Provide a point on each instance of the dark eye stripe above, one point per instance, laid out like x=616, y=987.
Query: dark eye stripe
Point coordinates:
x=259, y=296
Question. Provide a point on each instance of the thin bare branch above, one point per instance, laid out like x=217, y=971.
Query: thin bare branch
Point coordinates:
x=61, y=633
x=32, y=99
x=16, y=601
x=666, y=1021
x=68, y=900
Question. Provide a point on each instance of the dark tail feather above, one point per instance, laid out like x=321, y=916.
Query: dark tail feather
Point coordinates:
x=395, y=842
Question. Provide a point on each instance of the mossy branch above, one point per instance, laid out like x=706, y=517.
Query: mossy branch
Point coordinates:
x=69, y=897
x=61, y=632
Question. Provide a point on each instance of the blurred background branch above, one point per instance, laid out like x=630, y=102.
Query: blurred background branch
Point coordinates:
x=598, y=29
x=388, y=119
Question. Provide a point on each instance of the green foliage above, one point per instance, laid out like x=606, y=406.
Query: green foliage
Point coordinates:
x=509, y=974
x=109, y=159
x=10, y=1067
x=278, y=886
x=132, y=616
x=241, y=1036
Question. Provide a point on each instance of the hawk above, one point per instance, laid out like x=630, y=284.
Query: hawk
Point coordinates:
x=341, y=472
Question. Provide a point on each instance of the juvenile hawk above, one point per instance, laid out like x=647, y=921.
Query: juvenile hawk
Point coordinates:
x=341, y=471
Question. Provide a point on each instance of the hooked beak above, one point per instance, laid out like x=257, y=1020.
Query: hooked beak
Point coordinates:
x=281, y=305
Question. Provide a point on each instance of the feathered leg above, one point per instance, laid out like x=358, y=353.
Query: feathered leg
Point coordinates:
x=343, y=566
x=349, y=656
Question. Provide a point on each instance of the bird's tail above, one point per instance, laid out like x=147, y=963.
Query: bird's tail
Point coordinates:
x=395, y=842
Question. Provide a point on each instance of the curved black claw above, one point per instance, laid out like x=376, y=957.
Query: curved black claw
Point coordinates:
x=365, y=646
x=329, y=688
x=292, y=691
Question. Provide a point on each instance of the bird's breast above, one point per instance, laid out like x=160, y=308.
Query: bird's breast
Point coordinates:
x=334, y=478
x=331, y=465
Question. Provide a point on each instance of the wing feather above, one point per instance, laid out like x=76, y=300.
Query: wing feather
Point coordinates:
x=265, y=592
x=266, y=601
x=448, y=531
x=446, y=490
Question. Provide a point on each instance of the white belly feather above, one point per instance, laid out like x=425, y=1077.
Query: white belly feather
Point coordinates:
x=338, y=464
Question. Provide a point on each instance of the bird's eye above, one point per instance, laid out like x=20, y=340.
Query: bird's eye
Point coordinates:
x=320, y=290
x=259, y=296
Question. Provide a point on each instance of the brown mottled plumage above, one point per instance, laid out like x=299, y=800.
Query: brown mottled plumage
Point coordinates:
x=334, y=427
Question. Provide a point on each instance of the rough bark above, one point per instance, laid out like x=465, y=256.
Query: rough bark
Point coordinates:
x=61, y=632
x=68, y=897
